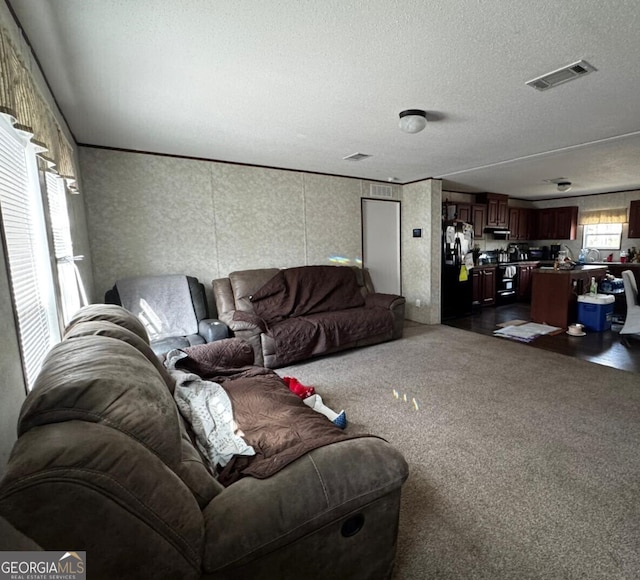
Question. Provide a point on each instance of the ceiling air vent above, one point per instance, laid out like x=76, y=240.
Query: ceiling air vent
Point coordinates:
x=356, y=157
x=562, y=75
x=380, y=190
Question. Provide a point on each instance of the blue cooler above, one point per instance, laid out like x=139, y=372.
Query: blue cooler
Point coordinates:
x=595, y=311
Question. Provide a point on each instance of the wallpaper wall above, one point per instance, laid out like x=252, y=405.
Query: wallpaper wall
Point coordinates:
x=421, y=209
x=150, y=214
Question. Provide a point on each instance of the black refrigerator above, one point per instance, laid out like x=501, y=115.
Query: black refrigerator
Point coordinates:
x=456, y=289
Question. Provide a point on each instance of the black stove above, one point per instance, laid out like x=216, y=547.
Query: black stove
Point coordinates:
x=506, y=283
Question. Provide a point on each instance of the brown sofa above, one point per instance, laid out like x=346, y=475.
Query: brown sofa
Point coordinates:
x=105, y=464
x=293, y=314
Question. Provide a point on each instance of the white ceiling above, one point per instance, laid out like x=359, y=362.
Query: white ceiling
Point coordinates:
x=300, y=84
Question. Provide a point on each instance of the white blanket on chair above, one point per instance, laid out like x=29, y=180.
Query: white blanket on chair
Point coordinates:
x=162, y=303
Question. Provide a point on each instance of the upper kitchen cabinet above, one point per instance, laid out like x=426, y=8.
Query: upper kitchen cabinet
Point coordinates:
x=557, y=223
x=478, y=219
x=566, y=222
x=634, y=219
x=546, y=224
x=497, y=209
x=520, y=220
x=463, y=212
x=474, y=214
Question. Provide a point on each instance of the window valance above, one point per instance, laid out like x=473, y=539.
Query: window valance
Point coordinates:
x=603, y=216
x=20, y=98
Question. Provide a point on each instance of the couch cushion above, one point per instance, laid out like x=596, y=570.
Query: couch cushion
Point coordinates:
x=191, y=468
x=111, y=313
x=92, y=487
x=105, y=328
x=303, y=337
x=245, y=282
x=105, y=380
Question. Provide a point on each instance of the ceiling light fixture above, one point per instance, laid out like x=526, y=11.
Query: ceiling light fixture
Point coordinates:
x=564, y=185
x=413, y=120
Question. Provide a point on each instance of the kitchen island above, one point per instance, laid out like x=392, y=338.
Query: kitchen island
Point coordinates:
x=554, y=293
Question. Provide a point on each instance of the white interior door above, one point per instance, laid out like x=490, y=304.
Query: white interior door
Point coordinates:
x=381, y=243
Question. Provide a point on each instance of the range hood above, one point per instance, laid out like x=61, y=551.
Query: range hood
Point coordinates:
x=498, y=233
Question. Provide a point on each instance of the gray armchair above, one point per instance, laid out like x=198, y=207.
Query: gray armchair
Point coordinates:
x=173, y=309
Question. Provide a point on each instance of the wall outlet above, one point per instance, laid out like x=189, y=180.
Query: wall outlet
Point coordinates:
x=418, y=303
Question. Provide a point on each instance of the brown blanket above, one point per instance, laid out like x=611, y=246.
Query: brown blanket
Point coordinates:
x=313, y=310
x=307, y=336
x=306, y=290
x=275, y=421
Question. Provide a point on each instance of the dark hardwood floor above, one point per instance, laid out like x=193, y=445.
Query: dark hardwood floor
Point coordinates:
x=605, y=348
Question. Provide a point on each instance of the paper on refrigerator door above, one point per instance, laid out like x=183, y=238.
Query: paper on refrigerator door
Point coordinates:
x=468, y=260
x=450, y=235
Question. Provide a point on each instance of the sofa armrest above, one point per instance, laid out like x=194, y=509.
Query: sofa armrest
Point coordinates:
x=380, y=300
x=212, y=329
x=245, y=322
x=254, y=518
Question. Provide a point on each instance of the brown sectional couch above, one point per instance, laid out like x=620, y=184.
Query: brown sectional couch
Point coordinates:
x=104, y=463
x=292, y=314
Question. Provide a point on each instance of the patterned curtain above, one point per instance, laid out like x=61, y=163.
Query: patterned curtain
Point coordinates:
x=20, y=98
x=604, y=216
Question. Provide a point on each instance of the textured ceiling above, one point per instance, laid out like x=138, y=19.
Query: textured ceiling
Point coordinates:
x=301, y=84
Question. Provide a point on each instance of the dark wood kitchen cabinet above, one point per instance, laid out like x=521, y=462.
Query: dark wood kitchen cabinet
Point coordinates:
x=546, y=224
x=525, y=273
x=463, y=212
x=566, y=222
x=484, y=285
x=554, y=293
x=478, y=219
x=497, y=209
x=557, y=223
x=519, y=223
x=476, y=215
x=634, y=219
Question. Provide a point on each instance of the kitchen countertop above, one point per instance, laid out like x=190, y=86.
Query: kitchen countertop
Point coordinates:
x=522, y=263
x=578, y=268
x=549, y=263
x=632, y=264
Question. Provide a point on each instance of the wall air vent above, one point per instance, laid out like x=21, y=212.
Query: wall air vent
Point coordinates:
x=380, y=190
x=562, y=75
x=356, y=157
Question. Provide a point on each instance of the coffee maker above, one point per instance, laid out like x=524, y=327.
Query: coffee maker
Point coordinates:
x=554, y=251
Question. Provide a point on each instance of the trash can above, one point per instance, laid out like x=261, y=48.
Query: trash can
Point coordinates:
x=595, y=311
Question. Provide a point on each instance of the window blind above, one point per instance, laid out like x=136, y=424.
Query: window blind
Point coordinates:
x=22, y=228
x=72, y=293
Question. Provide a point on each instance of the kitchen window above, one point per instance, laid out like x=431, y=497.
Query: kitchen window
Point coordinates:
x=602, y=236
